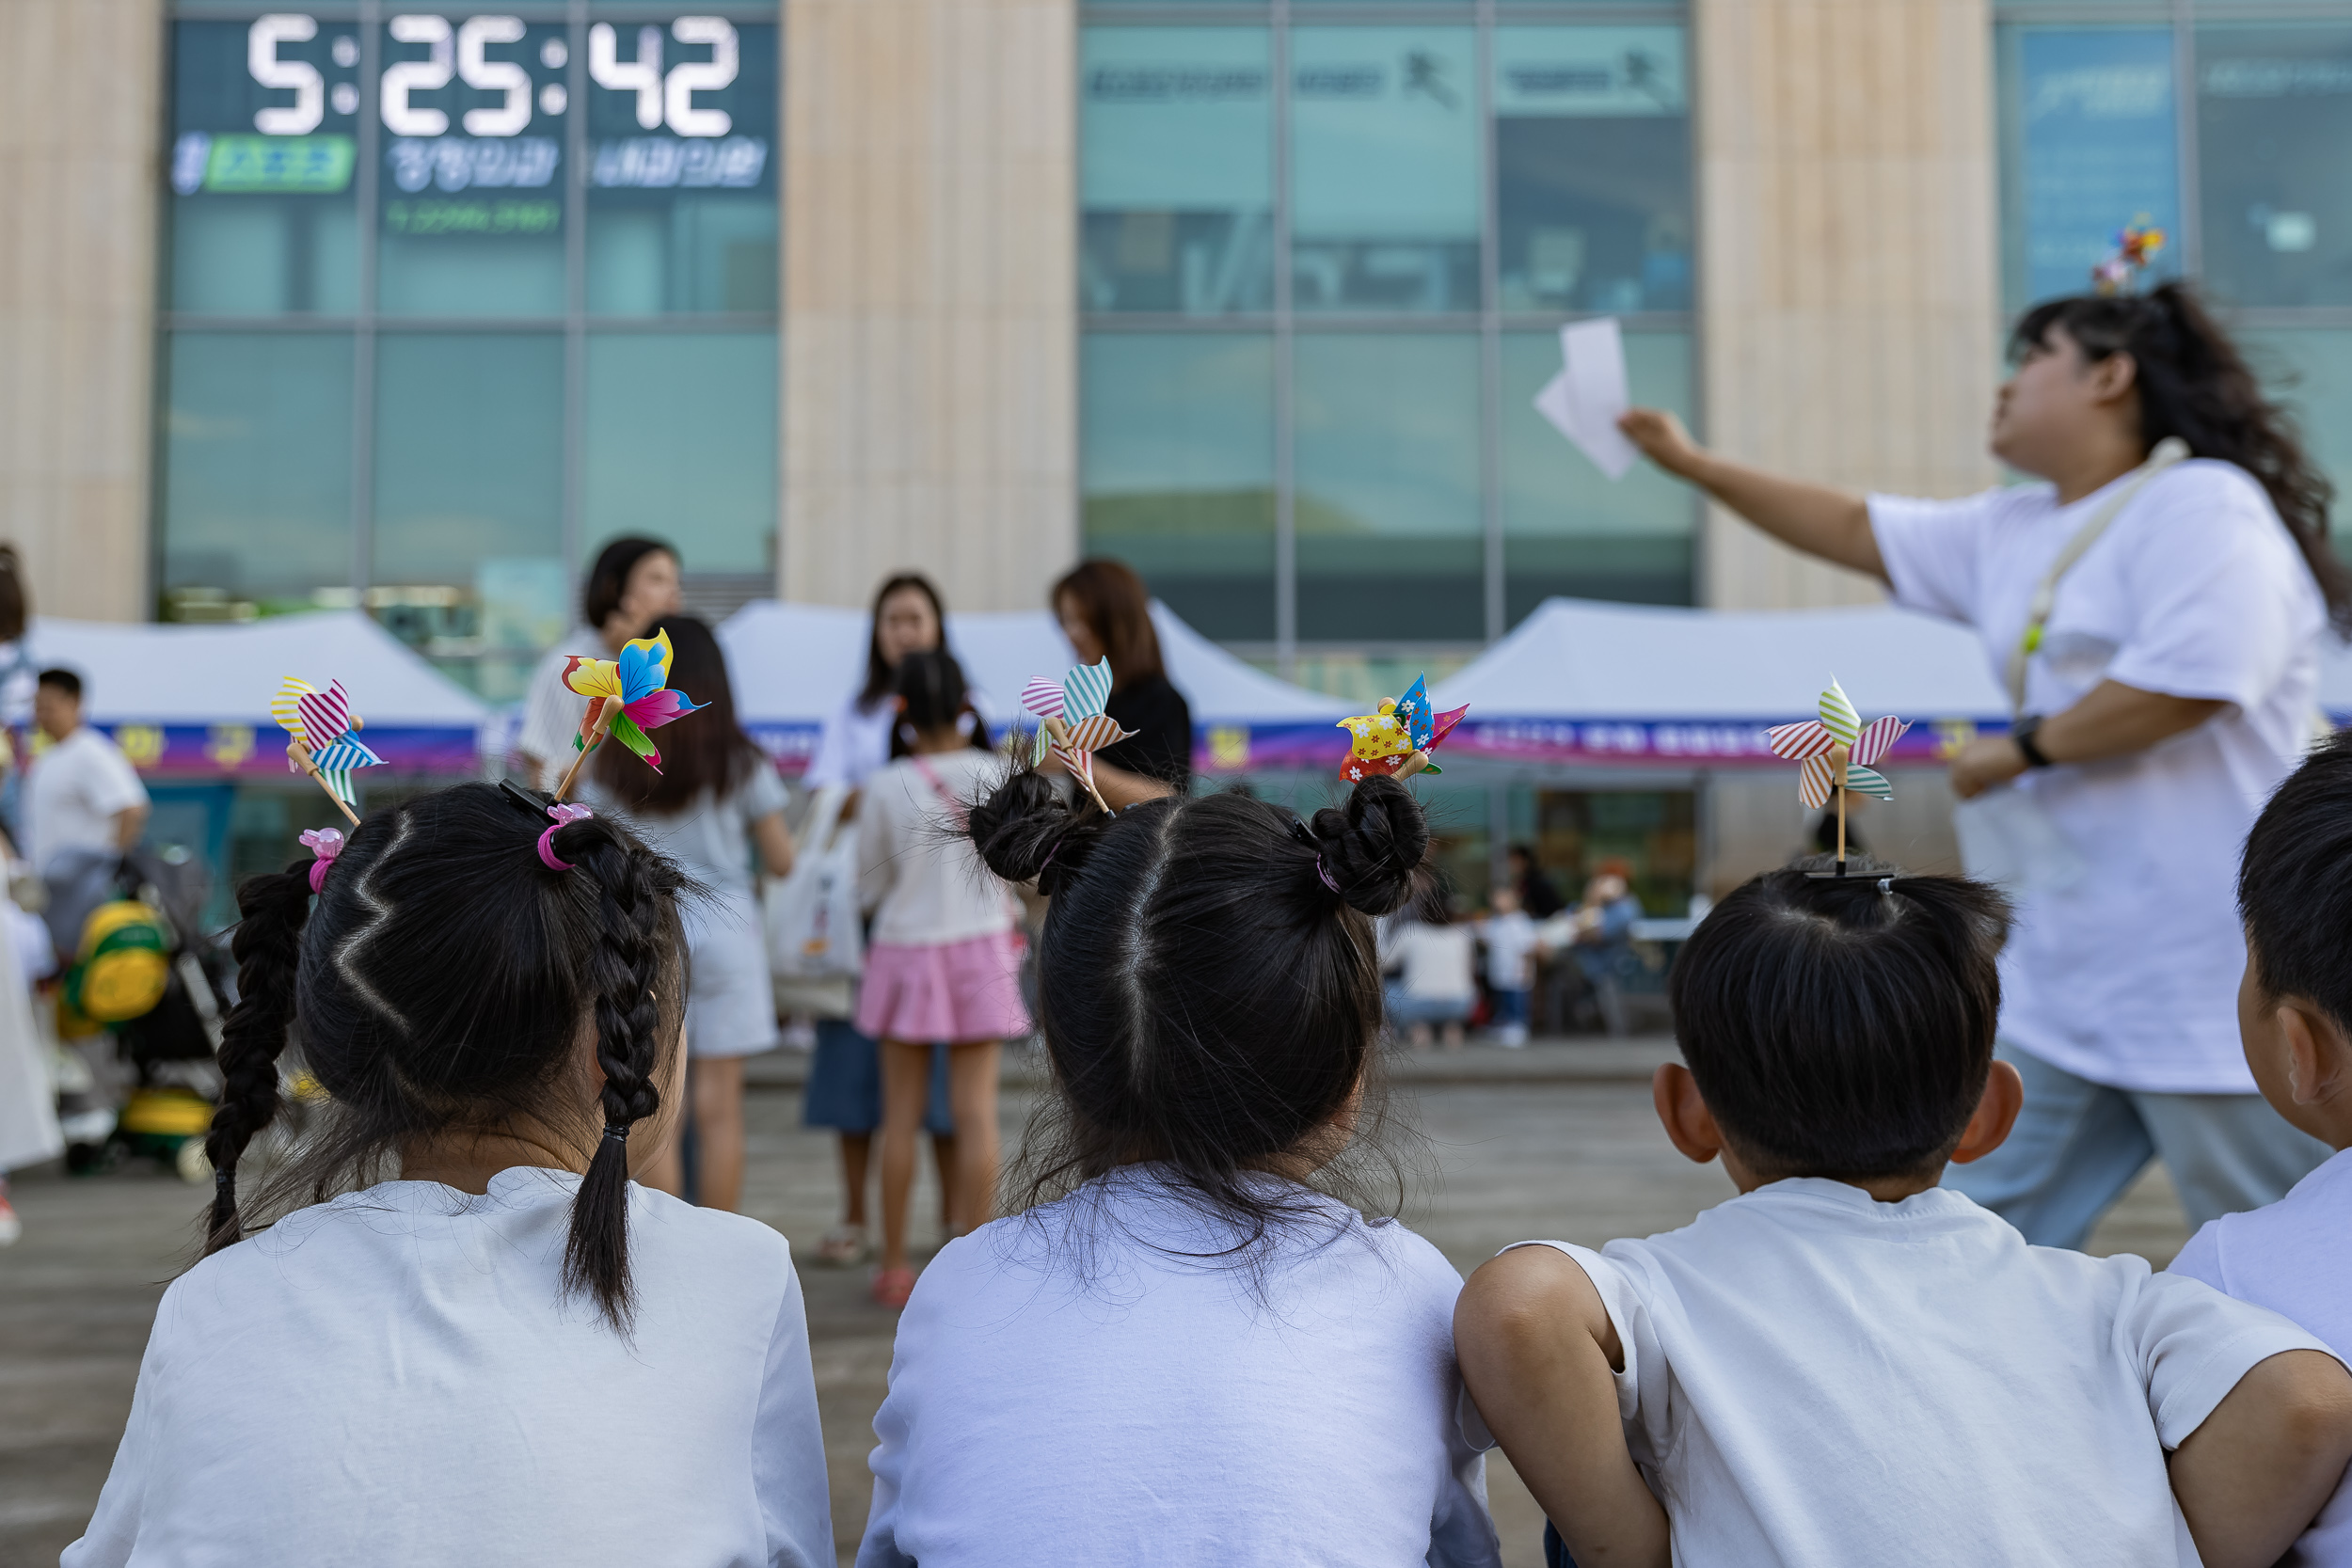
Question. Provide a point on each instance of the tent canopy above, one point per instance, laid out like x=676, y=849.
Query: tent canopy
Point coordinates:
x=195, y=700
x=794, y=664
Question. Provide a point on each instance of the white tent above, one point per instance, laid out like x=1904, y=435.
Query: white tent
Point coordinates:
x=195, y=700
x=793, y=665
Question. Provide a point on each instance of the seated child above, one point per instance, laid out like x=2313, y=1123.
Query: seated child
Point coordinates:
x=511, y=1353
x=2295, y=1014
x=1189, y=1351
x=1847, y=1364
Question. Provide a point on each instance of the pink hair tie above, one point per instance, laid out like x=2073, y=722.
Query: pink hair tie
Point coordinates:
x=325, y=843
x=565, y=816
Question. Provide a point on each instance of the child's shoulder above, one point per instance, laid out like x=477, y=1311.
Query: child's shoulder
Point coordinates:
x=700, y=1237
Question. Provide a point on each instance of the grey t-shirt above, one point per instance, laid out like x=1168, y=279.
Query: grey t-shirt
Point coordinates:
x=711, y=838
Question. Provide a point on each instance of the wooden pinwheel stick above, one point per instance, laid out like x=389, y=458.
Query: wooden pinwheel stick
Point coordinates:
x=1413, y=765
x=605, y=714
x=301, y=755
x=1060, y=729
x=1838, y=757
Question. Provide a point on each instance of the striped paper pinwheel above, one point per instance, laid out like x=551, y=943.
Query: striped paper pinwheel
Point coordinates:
x=1070, y=720
x=324, y=743
x=638, y=682
x=1399, y=738
x=1838, y=752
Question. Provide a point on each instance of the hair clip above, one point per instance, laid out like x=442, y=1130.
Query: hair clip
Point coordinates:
x=1886, y=885
x=324, y=843
x=565, y=816
x=533, y=801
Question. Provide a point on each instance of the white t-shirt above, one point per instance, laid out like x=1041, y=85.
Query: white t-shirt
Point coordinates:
x=552, y=711
x=1440, y=961
x=1812, y=1377
x=712, y=837
x=391, y=1377
x=925, y=882
x=74, y=793
x=2129, y=975
x=2290, y=1257
x=853, y=745
x=1060, y=1397
x=1510, y=939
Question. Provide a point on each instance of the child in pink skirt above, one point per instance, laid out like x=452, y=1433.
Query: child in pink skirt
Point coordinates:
x=944, y=961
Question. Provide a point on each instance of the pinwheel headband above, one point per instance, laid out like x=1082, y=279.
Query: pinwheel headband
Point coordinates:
x=1836, y=754
x=1071, y=723
x=2136, y=247
x=324, y=741
x=1399, y=739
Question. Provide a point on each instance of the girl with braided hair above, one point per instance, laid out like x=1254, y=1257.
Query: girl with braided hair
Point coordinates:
x=465, y=1324
x=1193, y=1313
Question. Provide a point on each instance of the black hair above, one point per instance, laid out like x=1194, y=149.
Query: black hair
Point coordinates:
x=608, y=580
x=63, y=679
x=879, y=671
x=1842, y=1026
x=15, y=605
x=441, y=985
x=2193, y=383
x=930, y=686
x=712, y=754
x=1209, y=991
x=2294, y=885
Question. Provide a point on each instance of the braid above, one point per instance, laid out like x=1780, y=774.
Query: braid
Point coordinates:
x=274, y=908
x=627, y=967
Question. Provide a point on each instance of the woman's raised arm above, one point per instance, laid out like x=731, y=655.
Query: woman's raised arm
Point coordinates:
x=1816, y=519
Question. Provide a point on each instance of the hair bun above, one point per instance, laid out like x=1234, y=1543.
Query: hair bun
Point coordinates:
x=1375, y=847
x=1026, y=831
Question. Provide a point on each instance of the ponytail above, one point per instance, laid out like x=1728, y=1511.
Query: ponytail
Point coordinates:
x=273, y=908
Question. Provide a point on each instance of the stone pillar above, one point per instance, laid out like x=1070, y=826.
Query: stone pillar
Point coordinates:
x=1849, y=234
x=930, y=318
x=80, y=96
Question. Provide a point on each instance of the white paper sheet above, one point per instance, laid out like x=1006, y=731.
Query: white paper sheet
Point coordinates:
x=1584, y=400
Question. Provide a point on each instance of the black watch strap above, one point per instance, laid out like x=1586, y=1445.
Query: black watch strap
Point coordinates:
x=2024, y=732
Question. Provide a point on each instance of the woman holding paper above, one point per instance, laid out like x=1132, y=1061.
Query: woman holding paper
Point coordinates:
x=2155, y=609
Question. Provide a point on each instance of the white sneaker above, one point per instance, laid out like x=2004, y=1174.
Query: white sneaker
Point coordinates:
x=1512, y=1035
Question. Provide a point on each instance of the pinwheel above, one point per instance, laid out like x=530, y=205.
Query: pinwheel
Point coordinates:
x=326, y=744
x=625, y=698
x=1070, y=713
x=2136, y=247
x=1837, y=751
x=1399, y=738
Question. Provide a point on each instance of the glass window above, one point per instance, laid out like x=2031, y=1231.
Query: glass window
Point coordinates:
x=468, y=499
x=263, y=140
x=257, y=470
x=1592, y=169
x=1384, y=169
x=1389, y=537
x=681, y=444
x=1176, y=169
x=2309, y=369
x=681, y=174
x=472, y=181
x=1567, y=529
x=2090, y=147
x=2274, y=120
x=1178, y=452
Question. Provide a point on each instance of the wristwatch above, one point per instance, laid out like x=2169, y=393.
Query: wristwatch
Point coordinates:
x=2023, y=732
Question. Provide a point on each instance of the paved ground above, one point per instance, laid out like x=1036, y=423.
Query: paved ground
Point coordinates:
x=1554, y=1141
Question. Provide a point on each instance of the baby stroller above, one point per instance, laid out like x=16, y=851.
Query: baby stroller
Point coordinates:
x=134, y=965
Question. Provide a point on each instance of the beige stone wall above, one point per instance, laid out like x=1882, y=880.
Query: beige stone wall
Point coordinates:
x=1848, y=269
x=930, y=332
x=80, y=90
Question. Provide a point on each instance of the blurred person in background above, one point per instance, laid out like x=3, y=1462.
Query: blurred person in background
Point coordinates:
x=1537, y=896
x=1601, y=940
x=82, y=793
x=715, y=806
x=1437, y=971
x=1104, y=610
x=633, y=585
x=845, y=1074
x=19, y=674
x=1511, y=942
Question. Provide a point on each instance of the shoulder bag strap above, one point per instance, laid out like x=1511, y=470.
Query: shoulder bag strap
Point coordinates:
x=2169, y=452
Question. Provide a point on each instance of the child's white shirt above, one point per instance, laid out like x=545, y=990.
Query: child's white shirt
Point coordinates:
x=391, y=1377
x=1812, y=1377
x=2290, y=1257
x=1510, y=940
x=1082, y=1398
x=924, y=882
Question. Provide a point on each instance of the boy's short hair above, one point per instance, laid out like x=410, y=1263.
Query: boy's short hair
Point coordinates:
x=1840, y=1030
x=2294, y=885
x=64, y=680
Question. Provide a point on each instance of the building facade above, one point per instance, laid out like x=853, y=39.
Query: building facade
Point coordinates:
x=413, y=309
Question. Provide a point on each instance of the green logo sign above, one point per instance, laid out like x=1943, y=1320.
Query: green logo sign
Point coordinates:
x=306, y=164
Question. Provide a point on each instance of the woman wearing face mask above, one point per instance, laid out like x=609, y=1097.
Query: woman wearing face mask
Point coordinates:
x=2154, y=607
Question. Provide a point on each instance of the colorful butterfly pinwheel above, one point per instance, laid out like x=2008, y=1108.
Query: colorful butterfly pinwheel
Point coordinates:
x=1819, y=745
x=324, y=726
x=1399, y=737
x=639, y=680
x=1070, y=720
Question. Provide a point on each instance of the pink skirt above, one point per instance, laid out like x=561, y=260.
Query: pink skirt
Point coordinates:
x=956, y=992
